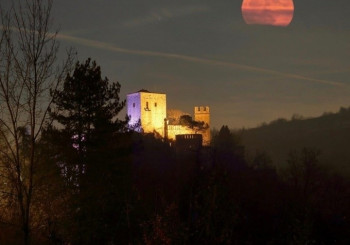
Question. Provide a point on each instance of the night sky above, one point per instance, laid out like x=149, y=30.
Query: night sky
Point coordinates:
x=203, y=53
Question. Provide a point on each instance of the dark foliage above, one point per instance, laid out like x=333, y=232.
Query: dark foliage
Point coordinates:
x=139, y=190
x=187, y=120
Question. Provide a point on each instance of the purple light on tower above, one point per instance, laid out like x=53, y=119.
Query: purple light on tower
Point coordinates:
x=134, y=109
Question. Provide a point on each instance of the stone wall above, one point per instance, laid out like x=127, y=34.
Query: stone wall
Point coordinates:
x=174, y=130
x=153, y=112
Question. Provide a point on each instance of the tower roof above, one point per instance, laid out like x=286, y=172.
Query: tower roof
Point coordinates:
x=145, y=91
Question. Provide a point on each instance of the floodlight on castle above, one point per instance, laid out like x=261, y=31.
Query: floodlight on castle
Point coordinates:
x=149, y=112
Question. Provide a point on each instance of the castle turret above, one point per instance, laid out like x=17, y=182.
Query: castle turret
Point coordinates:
x=202, y=114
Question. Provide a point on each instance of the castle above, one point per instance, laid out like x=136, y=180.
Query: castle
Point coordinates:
x=149, y=112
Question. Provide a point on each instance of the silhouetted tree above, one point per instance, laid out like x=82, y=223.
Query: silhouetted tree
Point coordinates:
x=262, y=161
x=303, y=171
x=187, y=120
x=304, y=178
x=28, y=70
x=90, y=151
x=227, y=149
x=87, y=107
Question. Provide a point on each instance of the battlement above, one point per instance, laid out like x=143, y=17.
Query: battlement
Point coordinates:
x=201, y=110
x=189, y=142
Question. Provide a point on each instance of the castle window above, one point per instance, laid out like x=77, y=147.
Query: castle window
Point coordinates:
x=205, y=108
x=155, y=104
x=133, y=105
x=199, y=108
x=147, y=106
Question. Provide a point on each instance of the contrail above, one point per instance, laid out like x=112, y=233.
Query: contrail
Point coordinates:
x=111, y=47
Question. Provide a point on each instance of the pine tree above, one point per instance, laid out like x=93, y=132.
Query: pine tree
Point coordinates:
x=86, y=110
x=88, y=149
x=87, y=107
x=87, y=102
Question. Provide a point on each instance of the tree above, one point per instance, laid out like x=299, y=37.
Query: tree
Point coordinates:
x=89, y=138
x=187, y=120
x=304, y=176
x=303, y=172
x=87, y=103
x=28, y=70
x=87, y=107
x=227, y=149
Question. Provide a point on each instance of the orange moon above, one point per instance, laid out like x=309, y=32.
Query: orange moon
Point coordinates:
x=268, y=12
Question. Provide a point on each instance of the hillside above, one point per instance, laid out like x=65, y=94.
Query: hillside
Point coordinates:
x=329, y=133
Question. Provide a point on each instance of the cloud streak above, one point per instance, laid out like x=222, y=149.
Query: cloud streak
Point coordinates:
x=160, y=14
x=187, y=58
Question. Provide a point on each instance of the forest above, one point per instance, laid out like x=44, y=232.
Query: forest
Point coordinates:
x=73, y=172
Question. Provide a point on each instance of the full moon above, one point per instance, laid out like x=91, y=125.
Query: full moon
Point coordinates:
x=268, y=12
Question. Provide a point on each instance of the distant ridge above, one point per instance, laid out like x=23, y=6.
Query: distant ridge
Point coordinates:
x=329, y=133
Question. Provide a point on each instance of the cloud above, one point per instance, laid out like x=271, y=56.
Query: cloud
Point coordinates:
x=187, y=58
x=161, y=14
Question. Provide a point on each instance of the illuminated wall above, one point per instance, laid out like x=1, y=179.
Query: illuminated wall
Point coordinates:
x=149, y=108
x=174, y=130
x=134, y=108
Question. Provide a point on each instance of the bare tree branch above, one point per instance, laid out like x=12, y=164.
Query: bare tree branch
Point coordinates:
x=28, y=71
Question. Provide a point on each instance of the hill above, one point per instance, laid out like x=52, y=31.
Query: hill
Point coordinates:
x=329, y=133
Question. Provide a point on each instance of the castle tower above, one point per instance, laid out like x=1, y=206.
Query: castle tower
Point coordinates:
x=149, y=109
x=202, y=114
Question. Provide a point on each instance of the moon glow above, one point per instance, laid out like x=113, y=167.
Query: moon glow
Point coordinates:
x=268, y=12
